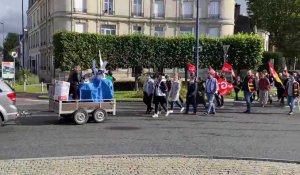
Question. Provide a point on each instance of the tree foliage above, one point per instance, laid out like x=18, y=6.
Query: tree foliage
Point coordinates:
x=129, y=51
x=282, y=19
x=10, y=44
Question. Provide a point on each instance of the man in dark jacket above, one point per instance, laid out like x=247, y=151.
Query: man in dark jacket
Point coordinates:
x=248, y=87
x=191, y=95
x=74, y=80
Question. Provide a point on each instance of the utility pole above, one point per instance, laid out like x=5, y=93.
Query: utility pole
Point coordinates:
x=23, y=36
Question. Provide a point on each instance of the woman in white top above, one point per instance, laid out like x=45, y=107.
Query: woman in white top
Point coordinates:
x=160, y=90
x=175, y=93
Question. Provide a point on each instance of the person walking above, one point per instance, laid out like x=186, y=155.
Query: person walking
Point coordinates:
x=160, y=91
x=256, y=78
x=191, y=95
x=264, y=87
x=211, y=89
x=169, y=85
x=237, y=87
x=292, y=92
x=174, y=94
x=219, y=98
x=201, y=93
x=248, y=87
x=148, y=93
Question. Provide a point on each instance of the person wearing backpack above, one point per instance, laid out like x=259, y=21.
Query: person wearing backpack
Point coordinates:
x=160, y=90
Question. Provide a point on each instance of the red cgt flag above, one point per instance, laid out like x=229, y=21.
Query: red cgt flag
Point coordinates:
x=224, y=87
x=228, y=68
x=191, y=68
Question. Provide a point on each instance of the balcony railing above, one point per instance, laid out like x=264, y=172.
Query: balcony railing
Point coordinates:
x=187, y=16
x=214, y=16
x=159, y=15
x=80, y=10
x=109, y=12
x=137, y=14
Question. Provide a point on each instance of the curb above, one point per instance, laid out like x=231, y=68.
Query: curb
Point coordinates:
x=161, y=156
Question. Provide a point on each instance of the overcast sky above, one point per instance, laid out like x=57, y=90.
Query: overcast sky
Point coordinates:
x=11, y=15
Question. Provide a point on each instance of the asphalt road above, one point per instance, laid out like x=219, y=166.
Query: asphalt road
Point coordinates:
x=269, y=133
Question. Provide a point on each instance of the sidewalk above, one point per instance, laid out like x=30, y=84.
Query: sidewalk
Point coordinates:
x=159, y=165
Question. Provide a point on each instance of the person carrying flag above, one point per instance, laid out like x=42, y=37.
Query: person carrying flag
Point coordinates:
x=248, y=87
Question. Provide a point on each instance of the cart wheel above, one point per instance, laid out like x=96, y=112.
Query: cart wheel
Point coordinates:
x=81, y=117
x=99, y=115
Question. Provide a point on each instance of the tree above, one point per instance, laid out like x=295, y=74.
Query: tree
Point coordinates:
x=282, y=19
x=10, y=44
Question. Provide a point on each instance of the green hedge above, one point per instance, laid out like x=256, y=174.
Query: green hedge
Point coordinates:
x=154, y=52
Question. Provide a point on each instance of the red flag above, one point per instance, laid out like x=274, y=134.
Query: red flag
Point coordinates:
x=274, y=73
x=224, y=87
x=191, y=68
x=228, y=68
x=211, y=70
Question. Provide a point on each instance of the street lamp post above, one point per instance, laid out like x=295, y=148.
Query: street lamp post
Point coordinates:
x=197, y=50
x=2, y=23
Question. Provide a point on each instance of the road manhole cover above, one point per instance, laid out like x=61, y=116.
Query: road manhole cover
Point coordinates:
x=123, y=128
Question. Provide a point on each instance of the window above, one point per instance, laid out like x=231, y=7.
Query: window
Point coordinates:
x=159, y=31
x=80, y=27
x=109, y=7
x=213, y=32
x=137, y=8
x=159, y=8
x=137, y=29
x=214, y=9
x=80, y=6
x=185, y=30
x=187, y=9
x=108, y=29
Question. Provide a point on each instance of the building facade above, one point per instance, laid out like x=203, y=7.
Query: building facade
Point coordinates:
x=164, y=18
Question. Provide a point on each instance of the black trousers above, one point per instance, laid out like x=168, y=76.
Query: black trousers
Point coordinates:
x=148, y=100
x=220, y=99
x=74, y=91
x=191, y=101
x=159, y=100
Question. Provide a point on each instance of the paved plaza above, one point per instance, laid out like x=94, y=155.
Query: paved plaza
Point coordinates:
x=134, y=165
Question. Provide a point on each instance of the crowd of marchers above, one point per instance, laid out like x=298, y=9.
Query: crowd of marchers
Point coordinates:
x=164, y=91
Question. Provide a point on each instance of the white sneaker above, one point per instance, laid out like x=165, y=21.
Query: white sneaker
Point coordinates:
x=171, y=111
x=155, y=116
x=182, y=109
x=167, y=114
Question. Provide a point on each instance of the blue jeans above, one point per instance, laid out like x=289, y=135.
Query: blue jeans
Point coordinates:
x=211, y=105
x=177, y=103
x=248, y=96
x=291, y=102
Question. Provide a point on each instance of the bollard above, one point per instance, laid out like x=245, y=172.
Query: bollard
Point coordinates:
x=42, y=87
x=24, y=86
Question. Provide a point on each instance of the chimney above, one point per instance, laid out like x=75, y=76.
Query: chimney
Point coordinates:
x=237, y=11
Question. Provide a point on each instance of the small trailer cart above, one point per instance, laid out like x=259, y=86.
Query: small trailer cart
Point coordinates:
x=80, y=111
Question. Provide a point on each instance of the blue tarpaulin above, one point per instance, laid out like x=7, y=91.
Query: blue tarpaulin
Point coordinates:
x=97, y=90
